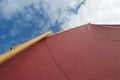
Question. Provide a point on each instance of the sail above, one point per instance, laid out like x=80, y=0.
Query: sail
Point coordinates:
x=88, y=52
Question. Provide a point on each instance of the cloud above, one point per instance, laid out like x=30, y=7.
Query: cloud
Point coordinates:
x=25, y=19
x=54, y=9
x=41, y=14
x=33, y=17
x=9, y=8
x=62, y=11
x=96, y=11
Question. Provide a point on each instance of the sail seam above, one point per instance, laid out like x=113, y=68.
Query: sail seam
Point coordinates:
x=57, y=64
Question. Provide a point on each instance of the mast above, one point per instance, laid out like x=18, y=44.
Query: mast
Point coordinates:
x=19, y=48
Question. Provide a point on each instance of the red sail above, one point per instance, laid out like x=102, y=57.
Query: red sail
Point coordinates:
x=88, y=52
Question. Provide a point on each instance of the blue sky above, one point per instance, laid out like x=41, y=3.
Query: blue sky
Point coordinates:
x=21, y=20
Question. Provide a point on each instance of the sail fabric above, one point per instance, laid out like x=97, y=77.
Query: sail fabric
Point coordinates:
x=88, y=52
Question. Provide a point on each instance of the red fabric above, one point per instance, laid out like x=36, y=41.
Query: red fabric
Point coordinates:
x=89, y=52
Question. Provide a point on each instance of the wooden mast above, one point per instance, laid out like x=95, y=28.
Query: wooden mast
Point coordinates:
x=16, y=50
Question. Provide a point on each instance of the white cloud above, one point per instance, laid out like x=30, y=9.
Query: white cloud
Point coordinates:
x=59, y=9
x=96, y=11
x=29, y=24
x=54, y=9
x=93, y=11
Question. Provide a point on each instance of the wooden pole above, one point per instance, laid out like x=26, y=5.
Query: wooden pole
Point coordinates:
x=11, y=53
